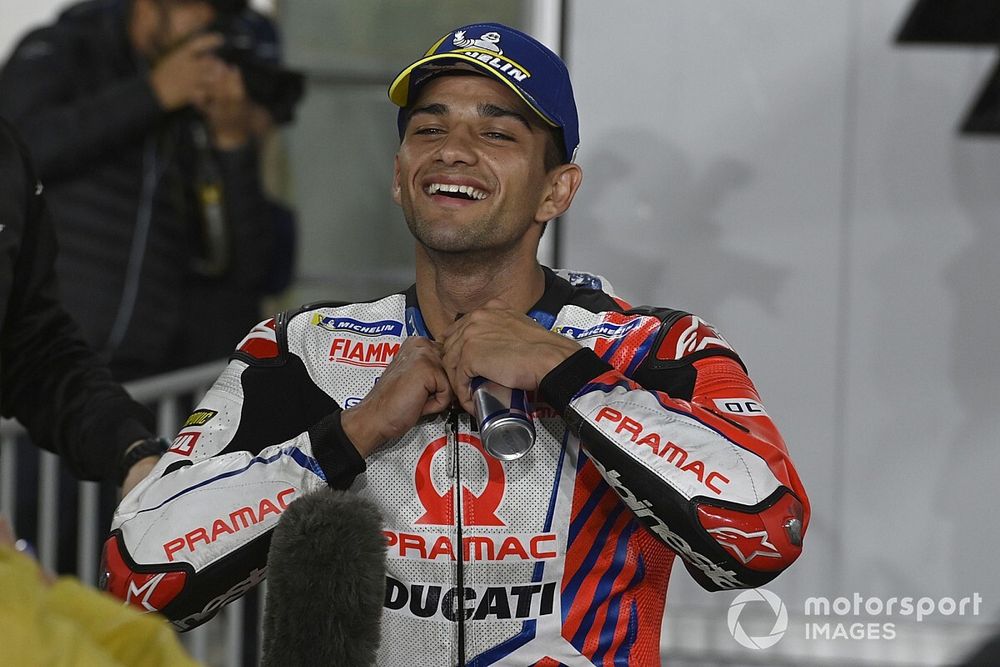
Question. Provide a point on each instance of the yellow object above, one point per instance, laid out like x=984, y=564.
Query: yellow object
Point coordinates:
x=67, y=623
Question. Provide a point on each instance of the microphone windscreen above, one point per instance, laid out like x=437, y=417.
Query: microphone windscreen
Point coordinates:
x=325, y=582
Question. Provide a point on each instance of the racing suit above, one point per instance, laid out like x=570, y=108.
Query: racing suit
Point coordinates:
x=651, y=443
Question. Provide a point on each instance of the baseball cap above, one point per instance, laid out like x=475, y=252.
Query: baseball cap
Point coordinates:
x=534, y=72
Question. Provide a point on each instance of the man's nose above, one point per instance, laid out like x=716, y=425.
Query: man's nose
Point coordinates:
x=458, y=146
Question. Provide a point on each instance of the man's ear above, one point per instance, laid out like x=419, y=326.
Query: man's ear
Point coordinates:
x=562, y=183
x=396, y=191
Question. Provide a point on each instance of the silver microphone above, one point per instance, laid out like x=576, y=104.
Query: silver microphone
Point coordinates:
x=505, y=424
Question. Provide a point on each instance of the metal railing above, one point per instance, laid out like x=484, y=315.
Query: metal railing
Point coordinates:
x=218, y=642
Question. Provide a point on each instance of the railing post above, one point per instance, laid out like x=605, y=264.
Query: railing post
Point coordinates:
x=167, y=418
x=48, y=509
x=87, y=545
x=235, y=612
x=8, y=474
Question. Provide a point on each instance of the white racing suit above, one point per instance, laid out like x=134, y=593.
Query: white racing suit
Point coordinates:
x=651, y=443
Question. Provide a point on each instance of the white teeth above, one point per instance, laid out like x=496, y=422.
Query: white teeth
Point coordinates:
x=467, y=190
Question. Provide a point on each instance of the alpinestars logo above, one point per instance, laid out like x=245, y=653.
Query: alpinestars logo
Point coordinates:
x=746, y=546
x=720, y=576
x=145, y=591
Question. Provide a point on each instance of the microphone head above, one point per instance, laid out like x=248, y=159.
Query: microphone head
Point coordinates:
x=325, y=582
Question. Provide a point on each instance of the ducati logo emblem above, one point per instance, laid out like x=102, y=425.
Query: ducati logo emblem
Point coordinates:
x=477, y=510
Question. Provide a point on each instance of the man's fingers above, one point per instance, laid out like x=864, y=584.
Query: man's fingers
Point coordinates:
x=440, y=398
x=435, y=379
x=202, y=44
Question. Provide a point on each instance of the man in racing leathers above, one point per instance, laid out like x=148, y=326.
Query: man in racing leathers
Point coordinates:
x=651, y=443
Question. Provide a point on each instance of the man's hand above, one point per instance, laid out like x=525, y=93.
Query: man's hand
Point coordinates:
x=232, y=117
x=414, y=385
x=503, y=345
x=185, y=75
x=137, y=473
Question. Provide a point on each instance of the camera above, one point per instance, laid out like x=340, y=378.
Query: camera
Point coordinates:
x=251, y=44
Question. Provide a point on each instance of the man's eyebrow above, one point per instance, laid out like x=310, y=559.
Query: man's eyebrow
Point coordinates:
x=493, y=111
x=435, y=109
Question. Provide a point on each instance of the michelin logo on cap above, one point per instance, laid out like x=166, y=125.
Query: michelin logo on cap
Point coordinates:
x=489, y=41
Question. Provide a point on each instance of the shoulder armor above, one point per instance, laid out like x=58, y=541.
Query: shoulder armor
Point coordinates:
x=261, y=343
x=685, y=338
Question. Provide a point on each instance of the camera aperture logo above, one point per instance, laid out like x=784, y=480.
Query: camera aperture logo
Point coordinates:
x=755, y=596
x=859, y=617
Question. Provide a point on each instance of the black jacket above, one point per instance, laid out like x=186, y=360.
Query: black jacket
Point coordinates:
x=120, y=176
x=49, y=379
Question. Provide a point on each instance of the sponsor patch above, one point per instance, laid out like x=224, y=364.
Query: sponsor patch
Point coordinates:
x=199, y=418
x=234, y=522
x=745, y=407
x=486, y=49
x=475, y=548
x=380, y=328
x=150, y=591
x=471, y=603
x=184, y=443
x=720, y=576
x=663, y=448
x=478, y=509
x=363, y=353
x=257, y=575
x=603, y=330
x=579, y=279
x=745, y=546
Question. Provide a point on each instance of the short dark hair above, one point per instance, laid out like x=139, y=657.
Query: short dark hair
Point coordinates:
x=554, y=156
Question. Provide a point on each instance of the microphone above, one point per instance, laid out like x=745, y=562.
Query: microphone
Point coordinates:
x=505, y=424
x=325, y=582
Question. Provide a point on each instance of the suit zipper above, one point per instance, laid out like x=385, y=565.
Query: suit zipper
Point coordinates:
x=460, y=555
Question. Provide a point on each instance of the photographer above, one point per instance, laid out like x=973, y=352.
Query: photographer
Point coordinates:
x=147, y=142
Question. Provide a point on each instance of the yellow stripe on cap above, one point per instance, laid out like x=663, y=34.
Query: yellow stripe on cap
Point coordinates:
x=437, y=44
x=400, y=87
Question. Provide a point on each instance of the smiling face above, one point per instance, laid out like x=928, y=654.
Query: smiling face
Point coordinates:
x=470, y=174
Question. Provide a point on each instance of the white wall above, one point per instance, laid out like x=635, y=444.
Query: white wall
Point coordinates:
x=17, y=16
x=784, y=170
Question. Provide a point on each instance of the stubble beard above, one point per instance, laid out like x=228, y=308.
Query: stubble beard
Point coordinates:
x=480, y=237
